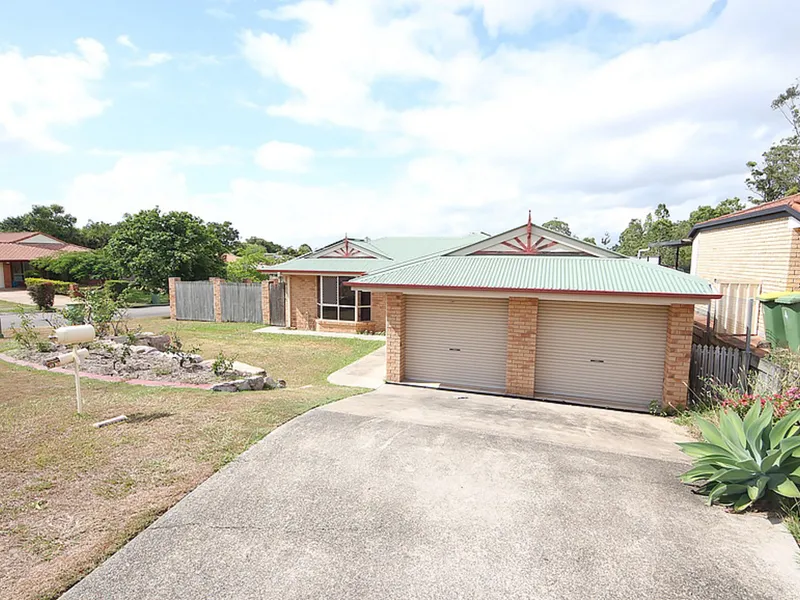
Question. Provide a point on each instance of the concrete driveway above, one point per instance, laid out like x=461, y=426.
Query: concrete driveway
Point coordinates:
x=413, y=493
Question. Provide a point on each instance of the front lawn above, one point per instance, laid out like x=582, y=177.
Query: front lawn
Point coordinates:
x=70, y=494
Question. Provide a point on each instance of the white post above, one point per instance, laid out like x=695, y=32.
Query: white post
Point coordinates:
x=76, y=366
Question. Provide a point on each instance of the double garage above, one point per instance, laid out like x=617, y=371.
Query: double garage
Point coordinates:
x=596, y=353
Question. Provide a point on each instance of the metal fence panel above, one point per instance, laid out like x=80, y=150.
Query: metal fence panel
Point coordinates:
x=194, y=301
x=241, y=302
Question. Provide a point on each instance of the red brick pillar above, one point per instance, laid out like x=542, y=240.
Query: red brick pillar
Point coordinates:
x=678, y=355
x=265, y=302
x=395, y=337
x=521, y=352
x=173, y=303
x=217, y=283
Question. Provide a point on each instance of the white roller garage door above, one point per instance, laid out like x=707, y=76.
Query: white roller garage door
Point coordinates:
x=601, y=354
x=456, y=342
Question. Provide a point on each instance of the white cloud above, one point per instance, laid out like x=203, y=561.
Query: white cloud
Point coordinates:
x=154, y=59
x=12, y=203
x=125, y=40
x=557, y=124
x=43, y=91
x=284, y=156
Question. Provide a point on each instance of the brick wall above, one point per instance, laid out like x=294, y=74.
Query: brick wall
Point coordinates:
x=345, y=326
x=216, y=282
x=302, y=301
x=521, y=353
x=678, y=355
x=748, y=253
x=265, y=302
x=395, y=337
x=379, y=310
x=173, y=303
x=793, y=276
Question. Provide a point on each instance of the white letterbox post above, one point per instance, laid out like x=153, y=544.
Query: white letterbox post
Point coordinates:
x=72, y=336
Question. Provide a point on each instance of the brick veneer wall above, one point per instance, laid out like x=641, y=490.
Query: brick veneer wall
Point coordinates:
x=345, y=326
x=521, y=353
x=678, y=355
x=395, y=337
x=302, y=301
x=793, y=276
x=378, y=311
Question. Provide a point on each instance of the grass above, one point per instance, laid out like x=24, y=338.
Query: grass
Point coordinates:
x=11, y=307
x=71, y=495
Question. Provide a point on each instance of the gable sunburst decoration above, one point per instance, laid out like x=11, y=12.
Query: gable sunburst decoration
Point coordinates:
x=520, y=245
x=346, y=250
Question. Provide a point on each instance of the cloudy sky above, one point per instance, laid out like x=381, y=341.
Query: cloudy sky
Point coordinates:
x=300, y=121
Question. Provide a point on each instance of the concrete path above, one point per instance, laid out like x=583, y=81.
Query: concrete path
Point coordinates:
x=413, y=493
x=22, y=297
x=367, y=372
x=333, y=334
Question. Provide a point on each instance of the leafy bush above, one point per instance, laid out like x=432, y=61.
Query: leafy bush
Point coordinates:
x=60, y=287
x=74, y=314
x=25, y=333
x=743, y=461
x=115, y=287
x=175, y=347
x=43, y=294
x=105, y=313
x=222, y=365
x=783, y=403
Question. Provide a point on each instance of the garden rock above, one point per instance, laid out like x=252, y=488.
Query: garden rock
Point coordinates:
x=246, y=369
x=159, y=342
x=256, y=383
x=228, y=386
x=143, y=349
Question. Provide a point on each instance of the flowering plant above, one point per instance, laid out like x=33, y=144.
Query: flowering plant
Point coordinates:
x=783, y=403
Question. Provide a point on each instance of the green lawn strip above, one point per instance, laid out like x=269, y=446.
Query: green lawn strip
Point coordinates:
x=114, y=481
x=12, y=307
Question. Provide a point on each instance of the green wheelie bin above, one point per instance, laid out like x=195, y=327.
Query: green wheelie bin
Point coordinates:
x=773, y=319
x=790, y=311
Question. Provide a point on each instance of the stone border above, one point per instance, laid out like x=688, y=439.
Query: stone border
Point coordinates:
x=108, y=378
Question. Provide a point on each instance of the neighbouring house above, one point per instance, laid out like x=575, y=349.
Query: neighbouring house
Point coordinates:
x=229, y=257
x=747, y=253
x=17, y=249
x=536, y=314
x=316, y=297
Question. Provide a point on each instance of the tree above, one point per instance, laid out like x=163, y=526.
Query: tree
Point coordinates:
x=151, y=247
x=268, y=246
x=605, y=241
x=557, y=225
x=79, y=267
x=52, y=220
x=227, y=235
x=779, y=173
x=251, y=256
x=95, y=234
x=590, y=240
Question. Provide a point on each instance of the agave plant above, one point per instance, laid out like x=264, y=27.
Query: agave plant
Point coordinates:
x=744, y=460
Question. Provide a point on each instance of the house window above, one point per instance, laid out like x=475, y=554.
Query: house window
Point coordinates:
x=339, y=302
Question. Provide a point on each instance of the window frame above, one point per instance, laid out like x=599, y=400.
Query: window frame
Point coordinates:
x=356, y=307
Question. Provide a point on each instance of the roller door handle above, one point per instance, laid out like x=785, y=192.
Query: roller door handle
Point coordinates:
x=596, y=360
x=454, y=349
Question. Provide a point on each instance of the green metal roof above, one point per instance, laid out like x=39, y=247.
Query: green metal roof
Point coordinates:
x=570, y=274
x=399, y=249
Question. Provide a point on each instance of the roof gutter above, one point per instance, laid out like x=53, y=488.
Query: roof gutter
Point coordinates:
x=762, y=215
x=467, y=288
x=313, y=272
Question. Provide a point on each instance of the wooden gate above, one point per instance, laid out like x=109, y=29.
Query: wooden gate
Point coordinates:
x=194, y=301
x=277, y=303
x=241, y=302
x=712, y=367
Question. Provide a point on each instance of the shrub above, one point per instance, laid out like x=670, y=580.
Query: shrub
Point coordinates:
x=115, y=287
x=222, y=365
x=783, y=403
x=60, y=287
x=43, y=294
x=75, y=266
x=743, y=461
x=105, y=313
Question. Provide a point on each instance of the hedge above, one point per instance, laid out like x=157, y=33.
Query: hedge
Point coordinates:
x=60, y=287
x=42, y=294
